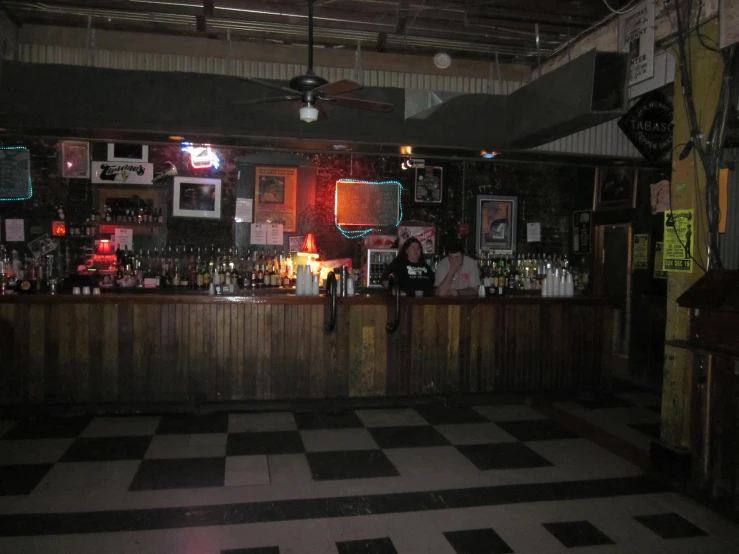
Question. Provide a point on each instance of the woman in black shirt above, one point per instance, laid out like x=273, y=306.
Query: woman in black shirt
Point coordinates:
x=414, y=276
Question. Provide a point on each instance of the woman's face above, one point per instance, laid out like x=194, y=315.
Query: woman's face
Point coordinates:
x=414, y=252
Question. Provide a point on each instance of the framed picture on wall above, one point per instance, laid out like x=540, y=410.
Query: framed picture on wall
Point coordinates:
x=197, y=197
x=497, y=218
x=75, y=159
x=275, y=196
x=429, y=185
x=615, y=188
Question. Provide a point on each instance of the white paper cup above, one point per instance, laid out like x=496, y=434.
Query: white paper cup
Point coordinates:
x=75, y=290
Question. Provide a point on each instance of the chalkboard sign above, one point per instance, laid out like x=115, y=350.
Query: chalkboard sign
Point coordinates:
x=15, y=174
x=582, y=232
x=367, y=203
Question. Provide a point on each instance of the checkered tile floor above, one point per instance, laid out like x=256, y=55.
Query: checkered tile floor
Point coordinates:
x=185, y=451
x=487, y=479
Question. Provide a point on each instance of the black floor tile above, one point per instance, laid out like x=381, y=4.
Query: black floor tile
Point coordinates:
x=405, y=437
x=21, y=479
x=507, y=455
x=649, y=429
x=439, y=415
x=670, y=526
x=608, y=402
x=536, y=430
x=241, y=513
x=48, y=428
x=356, y=464
x=577, y=533
x=256, y=550
x=185, y=473
x=367, y=546
x=270, y=442
x=106, y=449
x=187, y=424
x=310, y=421
x=477, y=541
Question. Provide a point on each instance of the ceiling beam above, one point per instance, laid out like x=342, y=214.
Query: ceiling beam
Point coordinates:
x=402, y=16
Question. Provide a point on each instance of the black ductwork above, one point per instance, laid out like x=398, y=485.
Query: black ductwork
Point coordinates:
x=93, y=102
x=589, y=90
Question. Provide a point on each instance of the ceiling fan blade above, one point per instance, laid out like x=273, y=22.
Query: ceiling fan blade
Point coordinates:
x=269, y=85
x=321, y=111
x=339, y=87
x=360, y=104
x=266, y=100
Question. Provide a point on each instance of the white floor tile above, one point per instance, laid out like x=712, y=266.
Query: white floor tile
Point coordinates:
x=433, y=462
x=584, y=458
x=242, y=471
x=474, y=433
x=289, y=468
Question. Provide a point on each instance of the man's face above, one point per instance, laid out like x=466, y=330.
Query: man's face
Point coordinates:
x=455, y=258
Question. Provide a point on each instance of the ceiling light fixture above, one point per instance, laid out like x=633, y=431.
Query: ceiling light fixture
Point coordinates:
x=176, y=137
x=488, y=155
x=308, y=114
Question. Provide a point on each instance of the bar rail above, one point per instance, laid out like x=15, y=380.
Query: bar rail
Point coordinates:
x=157, y=348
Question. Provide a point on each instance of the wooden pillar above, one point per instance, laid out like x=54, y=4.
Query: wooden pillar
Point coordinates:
x=688, y=192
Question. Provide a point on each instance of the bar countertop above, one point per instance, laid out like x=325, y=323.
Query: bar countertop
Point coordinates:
x=375, y=297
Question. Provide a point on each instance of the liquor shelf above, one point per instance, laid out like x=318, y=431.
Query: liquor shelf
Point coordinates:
x=114, y=349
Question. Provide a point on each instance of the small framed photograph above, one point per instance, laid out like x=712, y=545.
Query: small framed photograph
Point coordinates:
x=615, y=188
x=429, y=185
x=128, y=152
x=497, y=218
x=75, y=159
x=197, y=197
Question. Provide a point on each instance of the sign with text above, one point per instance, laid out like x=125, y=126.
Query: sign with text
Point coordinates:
x=275, y=196
x=648, y=125
x=659, y=248
x=641, y=252
x=636, y=36
x=678, y=248
x=129, y=173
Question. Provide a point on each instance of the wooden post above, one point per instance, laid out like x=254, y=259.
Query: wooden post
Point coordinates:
x=688, y=192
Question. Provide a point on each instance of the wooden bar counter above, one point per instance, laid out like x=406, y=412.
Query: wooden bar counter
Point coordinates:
x=155, y=348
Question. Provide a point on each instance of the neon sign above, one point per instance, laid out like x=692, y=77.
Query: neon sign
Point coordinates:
x=201, y=156
x=359, y=233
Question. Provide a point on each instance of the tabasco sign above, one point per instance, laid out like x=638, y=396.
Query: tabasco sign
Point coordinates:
x=129, y=173
x=648, y=124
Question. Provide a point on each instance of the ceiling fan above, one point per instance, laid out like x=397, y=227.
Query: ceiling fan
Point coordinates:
x=312, y=90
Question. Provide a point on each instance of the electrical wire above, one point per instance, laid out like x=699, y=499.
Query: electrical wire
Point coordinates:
x=624, y=10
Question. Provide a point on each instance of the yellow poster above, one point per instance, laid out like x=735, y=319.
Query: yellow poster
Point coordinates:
x=678, y=247
x=275, y=196
x=658, y=257
x=641, y=252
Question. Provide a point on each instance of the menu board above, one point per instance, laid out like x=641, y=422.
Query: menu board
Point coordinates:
x=367, y=203
x=15, y=174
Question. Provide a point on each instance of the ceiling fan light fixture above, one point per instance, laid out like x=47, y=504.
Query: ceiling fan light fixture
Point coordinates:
x=308, y=114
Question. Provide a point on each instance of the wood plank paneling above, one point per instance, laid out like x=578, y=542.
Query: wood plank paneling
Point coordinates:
x=140, y=351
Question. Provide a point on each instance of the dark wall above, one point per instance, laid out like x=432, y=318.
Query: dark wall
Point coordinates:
x=547, y=194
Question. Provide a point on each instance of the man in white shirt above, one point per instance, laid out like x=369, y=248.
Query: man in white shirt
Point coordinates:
x=457, y=274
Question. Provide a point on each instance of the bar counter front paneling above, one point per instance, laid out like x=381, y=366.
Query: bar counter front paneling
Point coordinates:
x=130, y=348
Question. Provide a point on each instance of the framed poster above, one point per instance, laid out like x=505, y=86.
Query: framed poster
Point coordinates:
x=429, y=185
x=275, y=196
x=615, y=188
x=197, y=197
x=295, y=242
x=75, y=159
x=497, y=217
x=581, y=232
